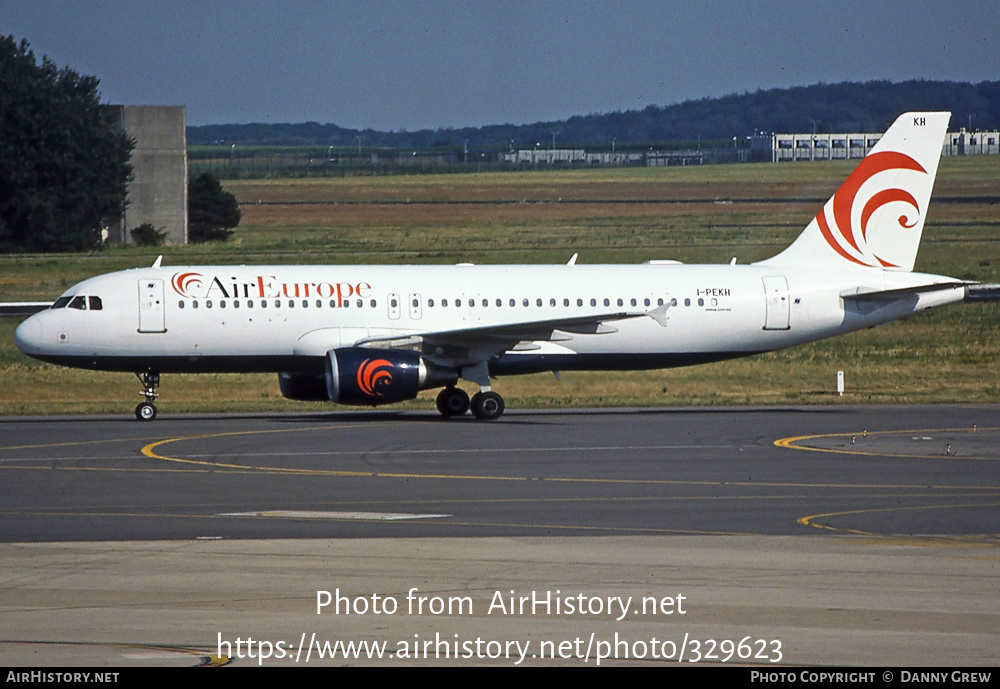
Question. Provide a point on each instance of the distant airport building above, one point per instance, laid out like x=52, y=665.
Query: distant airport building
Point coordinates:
x=157, y=193
x=966, y=143
x=546, y=156
x=578, y=157
x=791, y=147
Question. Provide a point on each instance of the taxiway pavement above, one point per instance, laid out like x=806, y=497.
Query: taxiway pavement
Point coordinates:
x=849, y=535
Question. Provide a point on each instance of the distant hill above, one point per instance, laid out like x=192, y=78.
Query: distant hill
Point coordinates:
x=844, y=107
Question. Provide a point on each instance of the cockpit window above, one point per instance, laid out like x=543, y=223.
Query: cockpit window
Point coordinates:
x=95, y=303
x=78, y=303
x=61, y=302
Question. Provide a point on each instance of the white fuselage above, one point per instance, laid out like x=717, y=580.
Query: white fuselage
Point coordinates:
x=280, y=318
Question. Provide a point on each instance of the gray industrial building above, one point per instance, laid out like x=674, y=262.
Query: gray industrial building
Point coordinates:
x=157, y=193
x=791, y=147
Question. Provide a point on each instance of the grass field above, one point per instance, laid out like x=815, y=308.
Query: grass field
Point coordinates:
x=695, y=214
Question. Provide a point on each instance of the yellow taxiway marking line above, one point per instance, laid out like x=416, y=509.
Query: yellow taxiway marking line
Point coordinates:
x=792, y=443
x=73, y=443
x=208, y=658
x=150, y=451
x=810, y=520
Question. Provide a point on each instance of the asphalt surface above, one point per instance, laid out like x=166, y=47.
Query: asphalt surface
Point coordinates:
x=818, y=536
x=910, y=470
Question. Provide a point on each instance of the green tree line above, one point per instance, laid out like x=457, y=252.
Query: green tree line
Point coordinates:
x=845, y=107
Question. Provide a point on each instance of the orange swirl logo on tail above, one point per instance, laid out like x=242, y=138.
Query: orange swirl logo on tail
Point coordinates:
x=845, y=241
x=374, y=373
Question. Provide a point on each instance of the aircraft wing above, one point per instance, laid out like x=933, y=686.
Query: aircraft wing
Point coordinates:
x=467, y=346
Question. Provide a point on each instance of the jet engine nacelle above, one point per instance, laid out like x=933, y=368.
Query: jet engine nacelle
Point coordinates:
x=356, y=375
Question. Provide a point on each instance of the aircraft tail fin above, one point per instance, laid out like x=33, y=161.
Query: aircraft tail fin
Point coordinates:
x=877, y=216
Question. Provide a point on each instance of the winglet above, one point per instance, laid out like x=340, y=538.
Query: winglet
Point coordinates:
x=159, y=259
x=572, y=260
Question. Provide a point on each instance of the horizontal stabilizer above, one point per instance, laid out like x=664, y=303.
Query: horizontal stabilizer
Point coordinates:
x=893, y=294
x=982, y=293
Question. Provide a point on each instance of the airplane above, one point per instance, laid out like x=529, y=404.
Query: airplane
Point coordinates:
x=373, y=335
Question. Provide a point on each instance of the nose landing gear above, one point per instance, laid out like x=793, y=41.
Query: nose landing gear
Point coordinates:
x=146, y=411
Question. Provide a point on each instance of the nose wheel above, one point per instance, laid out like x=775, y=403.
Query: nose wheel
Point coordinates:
x=146, y=411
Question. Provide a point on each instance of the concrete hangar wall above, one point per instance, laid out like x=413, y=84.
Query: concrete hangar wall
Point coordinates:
x=157, y=193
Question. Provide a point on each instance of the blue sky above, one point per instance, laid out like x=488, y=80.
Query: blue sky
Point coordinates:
x=409, y=65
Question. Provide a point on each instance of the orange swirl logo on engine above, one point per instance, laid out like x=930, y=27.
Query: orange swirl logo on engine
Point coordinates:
x=845, y=241
x=182, y=281
x=372, y=374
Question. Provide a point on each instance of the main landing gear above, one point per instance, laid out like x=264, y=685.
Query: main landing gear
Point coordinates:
x=453, y=402
x=486, y=405
x=146, y=411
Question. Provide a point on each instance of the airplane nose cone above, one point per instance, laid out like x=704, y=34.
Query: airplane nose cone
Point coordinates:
x=28, y=336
